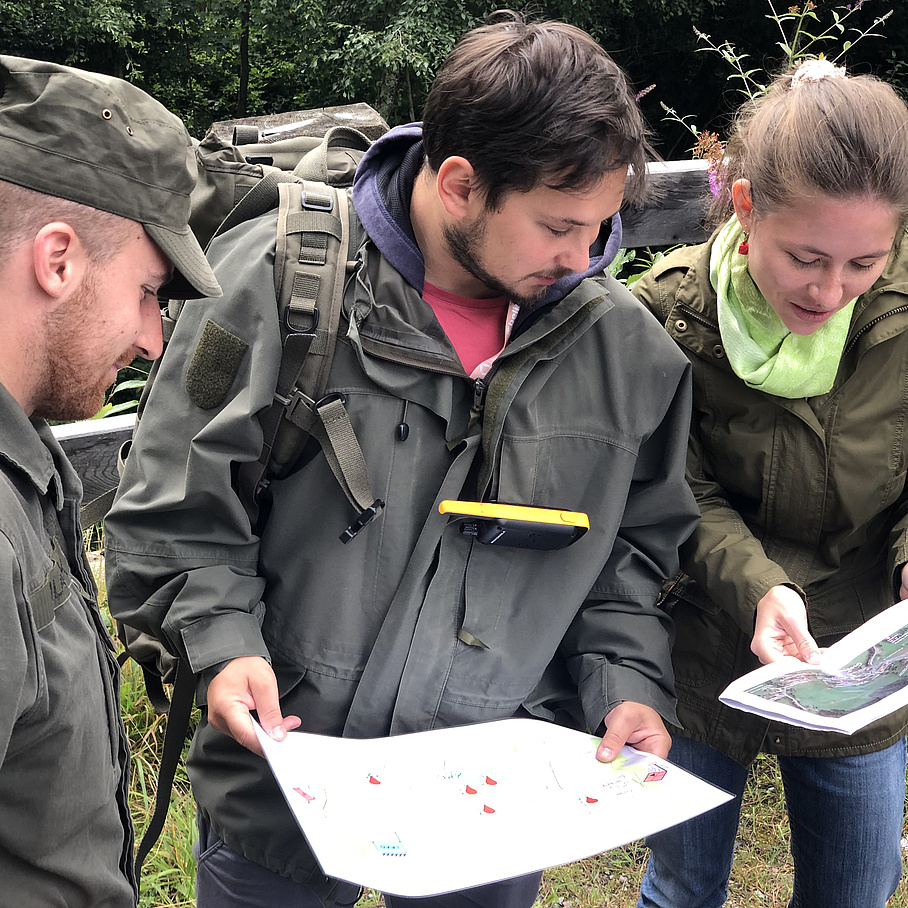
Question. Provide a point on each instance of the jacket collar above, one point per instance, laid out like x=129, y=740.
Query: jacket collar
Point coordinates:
x=691, y=315
x=26, y=445
x=885, y=301
x=394, y=320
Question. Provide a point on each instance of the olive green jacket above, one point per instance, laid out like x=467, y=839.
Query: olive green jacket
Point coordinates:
x=413, y=625
x=807, y=492
x=65, y=833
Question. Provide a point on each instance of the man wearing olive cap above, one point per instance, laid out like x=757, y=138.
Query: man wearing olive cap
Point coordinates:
x=95, y=178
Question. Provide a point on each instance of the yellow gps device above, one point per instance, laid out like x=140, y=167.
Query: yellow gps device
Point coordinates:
x=519, y=526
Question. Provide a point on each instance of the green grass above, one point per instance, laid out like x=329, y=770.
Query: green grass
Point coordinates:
x=761, y=877
x=168, y=877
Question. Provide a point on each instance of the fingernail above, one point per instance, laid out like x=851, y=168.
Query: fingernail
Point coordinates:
x=278, y=732
x=605, y=754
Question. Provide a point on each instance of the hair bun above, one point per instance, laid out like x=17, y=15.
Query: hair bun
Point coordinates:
x=816, y=71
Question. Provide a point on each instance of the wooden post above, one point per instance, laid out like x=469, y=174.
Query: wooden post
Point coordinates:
x=675, y=213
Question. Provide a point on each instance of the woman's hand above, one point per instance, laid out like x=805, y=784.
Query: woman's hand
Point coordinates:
x=781, y=627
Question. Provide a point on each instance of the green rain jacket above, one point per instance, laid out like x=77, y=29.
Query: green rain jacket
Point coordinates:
x=65, y=832
x=807, y=492
x=412, y=625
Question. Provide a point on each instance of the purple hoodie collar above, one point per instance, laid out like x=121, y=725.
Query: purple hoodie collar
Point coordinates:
x=381, y=196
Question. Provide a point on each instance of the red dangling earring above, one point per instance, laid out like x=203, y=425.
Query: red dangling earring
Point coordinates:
x=744, y=246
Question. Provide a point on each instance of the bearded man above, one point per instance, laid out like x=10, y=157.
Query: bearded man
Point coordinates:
x=95, y=177
x=482, y=355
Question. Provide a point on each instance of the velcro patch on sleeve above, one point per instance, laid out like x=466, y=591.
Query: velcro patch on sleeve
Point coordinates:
x=214, y=366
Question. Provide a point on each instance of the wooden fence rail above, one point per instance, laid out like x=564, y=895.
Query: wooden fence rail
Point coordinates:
x=674, y=216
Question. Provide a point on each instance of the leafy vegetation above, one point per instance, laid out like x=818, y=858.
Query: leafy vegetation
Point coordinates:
x=803, y=32
x=219, y=59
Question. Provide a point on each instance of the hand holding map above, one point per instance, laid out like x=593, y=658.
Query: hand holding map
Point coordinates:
x=857, y=680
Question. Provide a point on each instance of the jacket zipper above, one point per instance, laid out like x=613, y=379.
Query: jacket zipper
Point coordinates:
x=874, y=321
x=479, y=395
x=697, y=317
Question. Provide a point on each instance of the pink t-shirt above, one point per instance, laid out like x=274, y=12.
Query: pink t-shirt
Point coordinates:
x=478, y=328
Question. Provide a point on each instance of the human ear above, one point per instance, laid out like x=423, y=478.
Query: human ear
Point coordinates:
x=59, y=260
x=743, y=202
x=455, y=184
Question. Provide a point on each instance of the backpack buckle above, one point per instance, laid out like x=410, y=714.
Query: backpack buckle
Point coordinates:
x=363, y=519
x=317, y=201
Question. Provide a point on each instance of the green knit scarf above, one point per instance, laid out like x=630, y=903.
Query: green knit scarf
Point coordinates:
x=763, y=353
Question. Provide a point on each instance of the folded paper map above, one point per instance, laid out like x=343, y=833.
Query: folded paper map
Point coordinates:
x=861, y=678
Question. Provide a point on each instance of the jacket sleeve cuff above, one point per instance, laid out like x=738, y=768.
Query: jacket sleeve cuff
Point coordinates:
x=220, y=638
x=607, y=685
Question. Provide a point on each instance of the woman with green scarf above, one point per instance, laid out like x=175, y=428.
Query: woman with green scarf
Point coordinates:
x=795, y=318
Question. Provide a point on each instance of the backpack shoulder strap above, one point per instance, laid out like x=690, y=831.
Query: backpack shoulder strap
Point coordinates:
x=260, y=198
x=316, y=223
x=179, y=713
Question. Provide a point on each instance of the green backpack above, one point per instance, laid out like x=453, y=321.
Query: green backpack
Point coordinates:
x=318, y=235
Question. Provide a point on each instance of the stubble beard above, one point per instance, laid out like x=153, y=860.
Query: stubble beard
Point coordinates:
x=68, y=389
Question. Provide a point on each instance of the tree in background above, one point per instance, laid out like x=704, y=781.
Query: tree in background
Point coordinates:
x=220, y=59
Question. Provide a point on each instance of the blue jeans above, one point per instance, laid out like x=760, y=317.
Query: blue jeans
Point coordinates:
x=845, y=816
x=225, y=879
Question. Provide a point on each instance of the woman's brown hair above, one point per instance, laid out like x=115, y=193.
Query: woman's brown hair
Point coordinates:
x=827, y=134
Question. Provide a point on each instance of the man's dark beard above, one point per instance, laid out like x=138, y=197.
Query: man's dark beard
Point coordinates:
x=463, y=243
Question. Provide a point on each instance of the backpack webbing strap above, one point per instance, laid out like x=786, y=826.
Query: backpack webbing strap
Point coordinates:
x=311, y=374
x=178, y=716
x=95, y=511
x=154, y=685
x=326, y=420
x=244, y=134
x=314, y=165
x=256, y=201
x=312, y=250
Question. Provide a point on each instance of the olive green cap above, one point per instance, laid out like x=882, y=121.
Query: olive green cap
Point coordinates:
x=105, y=143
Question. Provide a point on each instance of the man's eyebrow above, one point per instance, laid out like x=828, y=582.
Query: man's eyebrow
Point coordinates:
x=572, y=221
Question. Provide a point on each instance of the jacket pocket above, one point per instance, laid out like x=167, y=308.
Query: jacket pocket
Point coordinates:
x=704, y=635
x=454, y=709
x=322, y=697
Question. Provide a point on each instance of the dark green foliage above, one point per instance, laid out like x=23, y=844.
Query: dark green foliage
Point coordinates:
x=102, y=31
x=218, y=59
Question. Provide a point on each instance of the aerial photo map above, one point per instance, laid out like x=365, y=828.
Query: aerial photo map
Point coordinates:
x=862, y=677
x=877, y=672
